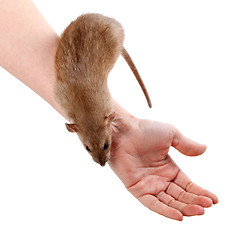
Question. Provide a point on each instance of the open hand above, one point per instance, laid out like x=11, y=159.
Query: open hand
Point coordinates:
x=140, y=159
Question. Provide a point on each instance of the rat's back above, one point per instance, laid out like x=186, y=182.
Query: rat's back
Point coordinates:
x=89, y=47
x=87, y=51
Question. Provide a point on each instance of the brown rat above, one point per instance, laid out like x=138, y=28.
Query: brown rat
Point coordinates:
x=87, y=51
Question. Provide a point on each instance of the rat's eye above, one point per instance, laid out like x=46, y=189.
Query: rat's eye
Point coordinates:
x=88, y=149
x=106, y=145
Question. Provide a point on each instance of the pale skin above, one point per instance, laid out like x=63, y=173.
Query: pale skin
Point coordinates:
x=140, y=147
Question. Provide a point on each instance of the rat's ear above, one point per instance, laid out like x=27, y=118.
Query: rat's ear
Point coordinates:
x=109, y=118
x=72, y=127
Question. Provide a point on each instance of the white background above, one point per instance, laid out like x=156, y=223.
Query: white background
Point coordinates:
x=186, y=52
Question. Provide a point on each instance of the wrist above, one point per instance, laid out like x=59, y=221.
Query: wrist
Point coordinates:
x=124, y=120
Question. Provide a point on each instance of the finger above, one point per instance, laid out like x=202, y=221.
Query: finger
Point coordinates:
x=185, y=209
x=181, y=195
x=184, y=182
x=155, y=205
x=186, y=145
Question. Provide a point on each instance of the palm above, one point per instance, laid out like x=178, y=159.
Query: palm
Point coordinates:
x=140, y=159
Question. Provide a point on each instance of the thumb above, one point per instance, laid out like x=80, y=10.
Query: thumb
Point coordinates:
x=187, y=146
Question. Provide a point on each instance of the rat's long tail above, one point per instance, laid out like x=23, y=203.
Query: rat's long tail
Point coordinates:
x=132, y=66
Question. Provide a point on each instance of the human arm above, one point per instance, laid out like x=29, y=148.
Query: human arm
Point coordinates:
x=28, y=47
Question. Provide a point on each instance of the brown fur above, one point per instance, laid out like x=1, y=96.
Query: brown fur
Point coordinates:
x=87, y=51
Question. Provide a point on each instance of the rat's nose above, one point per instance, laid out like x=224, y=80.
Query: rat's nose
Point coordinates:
x=102, y=161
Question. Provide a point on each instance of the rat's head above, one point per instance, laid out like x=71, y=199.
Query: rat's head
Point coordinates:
x=97, y=139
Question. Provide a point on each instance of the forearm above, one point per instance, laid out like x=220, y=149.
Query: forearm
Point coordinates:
x=28, y=46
